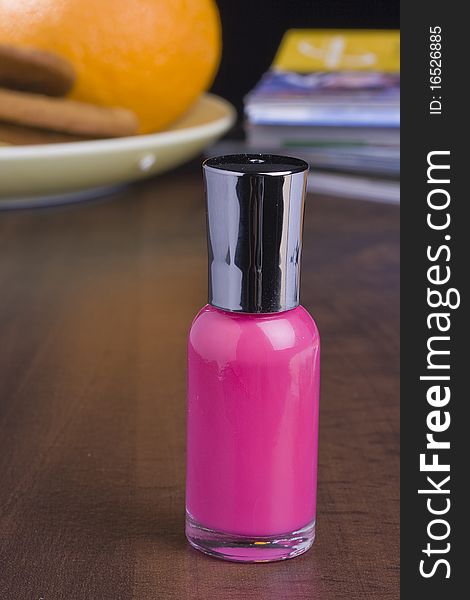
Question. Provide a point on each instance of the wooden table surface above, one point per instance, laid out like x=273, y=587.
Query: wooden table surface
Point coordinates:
x=95, y=303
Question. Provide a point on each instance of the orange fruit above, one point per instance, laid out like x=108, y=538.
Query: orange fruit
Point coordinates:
x=154, y=57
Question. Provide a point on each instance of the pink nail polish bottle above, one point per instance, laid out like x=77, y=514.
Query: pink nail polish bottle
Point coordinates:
x=253, y=370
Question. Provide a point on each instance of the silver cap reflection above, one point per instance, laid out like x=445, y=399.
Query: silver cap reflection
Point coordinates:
x=255, y=209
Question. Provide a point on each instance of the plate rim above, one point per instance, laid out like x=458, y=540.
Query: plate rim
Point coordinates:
x=221, y=123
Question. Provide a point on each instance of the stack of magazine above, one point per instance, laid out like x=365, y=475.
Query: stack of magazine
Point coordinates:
x=345, y=123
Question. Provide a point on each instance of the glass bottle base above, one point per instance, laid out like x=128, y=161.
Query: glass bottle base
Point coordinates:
x=242, y=548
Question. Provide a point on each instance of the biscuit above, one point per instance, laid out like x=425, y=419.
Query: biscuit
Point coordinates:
x=26, y=136
x=36, y=71
x=65, y=116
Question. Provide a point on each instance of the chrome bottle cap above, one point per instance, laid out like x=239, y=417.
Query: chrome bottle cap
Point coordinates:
x=255, y=209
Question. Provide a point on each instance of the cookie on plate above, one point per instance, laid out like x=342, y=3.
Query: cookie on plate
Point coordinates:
x=35, y=71
x=17, y=135
x=65, y=116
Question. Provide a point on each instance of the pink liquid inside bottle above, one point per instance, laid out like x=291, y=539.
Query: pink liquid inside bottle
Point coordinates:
x=253, y=370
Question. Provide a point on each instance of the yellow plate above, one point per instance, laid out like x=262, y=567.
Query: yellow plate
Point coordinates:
x=61, y=172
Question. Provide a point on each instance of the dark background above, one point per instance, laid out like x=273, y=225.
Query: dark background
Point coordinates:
x=252, y=30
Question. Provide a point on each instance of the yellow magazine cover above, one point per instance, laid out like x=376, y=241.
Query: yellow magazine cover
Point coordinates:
x=308, y=50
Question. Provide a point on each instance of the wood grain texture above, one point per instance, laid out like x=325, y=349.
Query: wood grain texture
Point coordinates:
x=95, y=303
